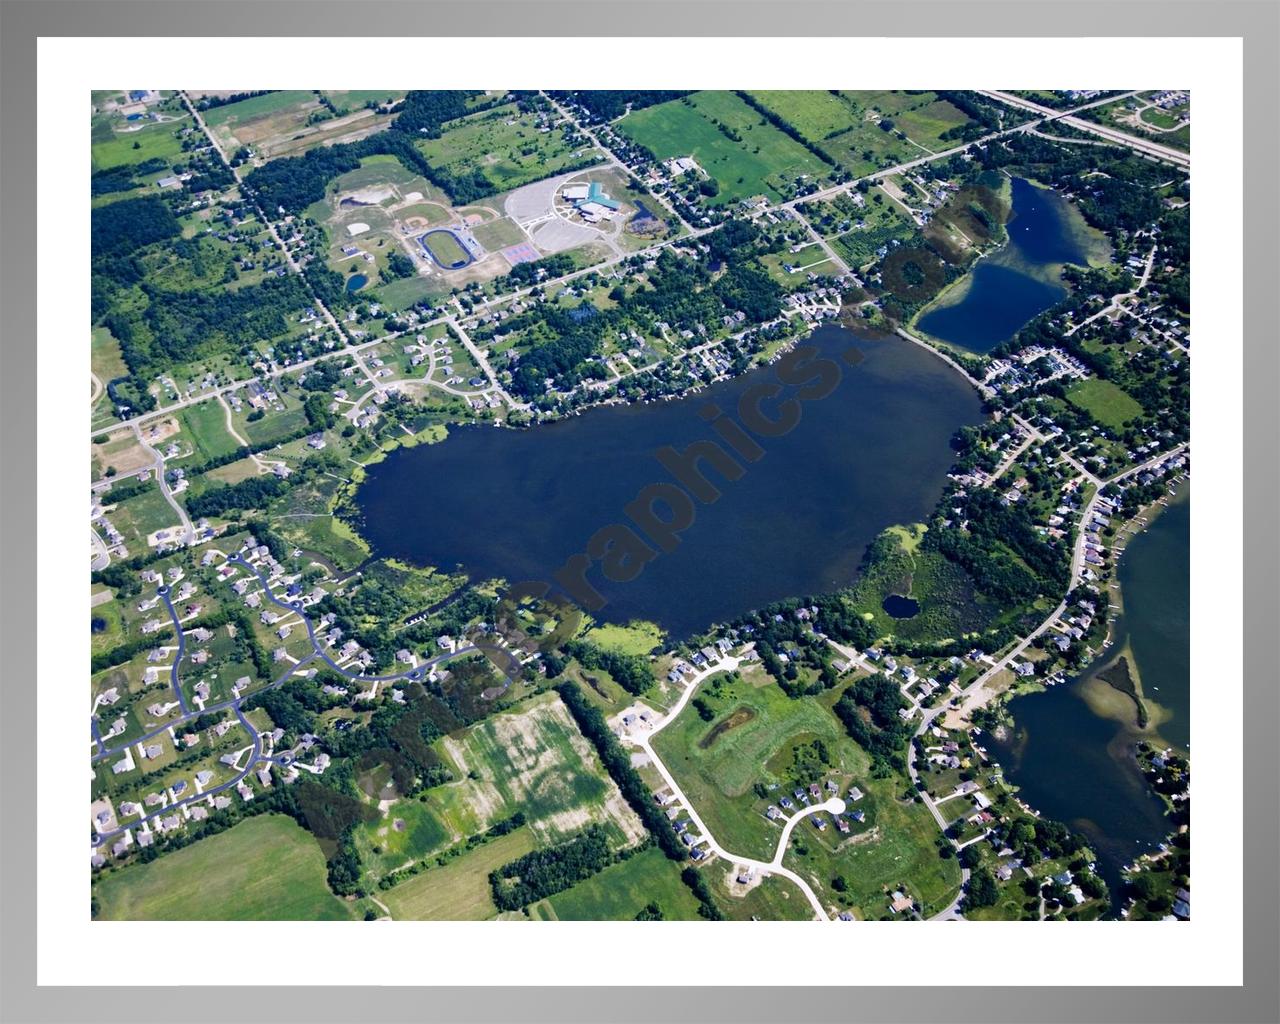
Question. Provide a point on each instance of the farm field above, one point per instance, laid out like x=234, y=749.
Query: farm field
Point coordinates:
x=762, y=160
x=751, y=738
x=847, y=125
x=531, y=759
x=1107, y=403
x=460, y=890
x=621, y=891
x=266, y=868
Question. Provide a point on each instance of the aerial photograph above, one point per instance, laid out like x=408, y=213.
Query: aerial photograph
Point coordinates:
x=649, y=505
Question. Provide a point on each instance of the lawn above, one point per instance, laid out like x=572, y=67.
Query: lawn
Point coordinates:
x=750, y=739
x=1104, y=401
x=266, y=868
x=621, y=891
x=460, y=890
x=760, y=160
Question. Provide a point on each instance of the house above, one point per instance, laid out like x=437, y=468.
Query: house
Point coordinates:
x=204, y=778
x=854, y=794
x=901, y=903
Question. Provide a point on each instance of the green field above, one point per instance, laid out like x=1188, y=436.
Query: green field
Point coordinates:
x=846, y=125
x=765, y=161
x=256, y=106
x=895, y=847
x=621, y=891
x=155, y=140
x=139, y=517
x=460, y=890
x=634, y=638
x=351, y=99
x=718, y=769
x=531, y=759
x=503, y=145
x=205, y=425
x=266, y=868
x=1104, y=401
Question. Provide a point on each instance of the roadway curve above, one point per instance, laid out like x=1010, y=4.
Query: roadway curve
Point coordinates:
x=833, y=806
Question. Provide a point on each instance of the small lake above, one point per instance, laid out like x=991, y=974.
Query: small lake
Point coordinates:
x=356, y=281
x=1078, y=767
x=899, y=607
x=515, y=504
x=1019, y=281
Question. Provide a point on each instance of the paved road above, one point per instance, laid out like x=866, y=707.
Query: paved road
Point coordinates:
x=774, y=866
x=1143, y=146
x=417, y=673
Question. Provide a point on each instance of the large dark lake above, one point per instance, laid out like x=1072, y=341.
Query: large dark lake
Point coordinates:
x=516, y=504
x=1078, y=767
x=1020, y=280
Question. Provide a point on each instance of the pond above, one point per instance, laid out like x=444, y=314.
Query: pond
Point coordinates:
x=516, y=504
x=356, y=281
x=899, y=607
x=1019, y=281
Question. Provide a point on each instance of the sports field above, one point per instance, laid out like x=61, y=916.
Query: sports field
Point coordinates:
x=445, y=249
x=266, y=868
x=621, y=891
x=1104, y=401
x=760, y=160
x=460, y=890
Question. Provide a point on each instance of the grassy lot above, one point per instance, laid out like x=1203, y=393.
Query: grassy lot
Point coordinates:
x=762, y=160
x=504, y=145
x=895, y=847
x=773, y=899
x=750, y=739
x=634, y=638
x=350, y=99
x=1104, y=401
x=141, y=516
x=263, y=869
x=621, y=891
x=460, y=890
x=155, y=140
x=205, y=424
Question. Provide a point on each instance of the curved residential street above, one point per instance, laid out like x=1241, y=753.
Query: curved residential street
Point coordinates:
x=774, y=867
